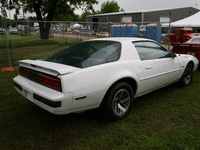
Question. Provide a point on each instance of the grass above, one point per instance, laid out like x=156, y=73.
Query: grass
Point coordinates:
x=168, y=118
x=165, y=119
x=31, y=47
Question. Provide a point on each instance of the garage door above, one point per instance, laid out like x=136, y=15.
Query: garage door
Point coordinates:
x=127, y=19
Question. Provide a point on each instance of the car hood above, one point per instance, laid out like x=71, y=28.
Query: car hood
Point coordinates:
x=48, y=67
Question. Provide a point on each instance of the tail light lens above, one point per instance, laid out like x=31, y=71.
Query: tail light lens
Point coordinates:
x=51, y=82
x=41, y=78
x=24, y=72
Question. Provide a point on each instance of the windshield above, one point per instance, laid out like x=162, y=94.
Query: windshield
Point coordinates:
x=89, y=53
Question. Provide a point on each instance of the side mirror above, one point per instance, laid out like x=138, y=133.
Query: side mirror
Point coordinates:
x=172, y=55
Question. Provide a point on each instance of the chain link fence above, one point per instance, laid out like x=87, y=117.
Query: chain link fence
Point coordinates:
x=24, y=40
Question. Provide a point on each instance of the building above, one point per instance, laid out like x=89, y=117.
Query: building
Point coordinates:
x=141, y=17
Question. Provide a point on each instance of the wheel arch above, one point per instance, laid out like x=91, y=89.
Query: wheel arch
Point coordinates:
x=132, y=82
x=191, y=63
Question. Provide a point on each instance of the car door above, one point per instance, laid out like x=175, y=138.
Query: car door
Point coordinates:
x=159, y=67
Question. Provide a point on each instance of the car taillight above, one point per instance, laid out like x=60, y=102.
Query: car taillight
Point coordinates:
x=40, y=78
x=24, y=72
x=51, y=82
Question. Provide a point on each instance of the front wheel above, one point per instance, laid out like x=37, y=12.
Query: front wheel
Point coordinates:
x=119, y=101
x=186, y=78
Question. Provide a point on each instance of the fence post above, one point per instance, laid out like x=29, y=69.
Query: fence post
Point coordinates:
x=170, y=15
x=63, y=27
x=4, y=42
x=109, y=29
x=7, y=48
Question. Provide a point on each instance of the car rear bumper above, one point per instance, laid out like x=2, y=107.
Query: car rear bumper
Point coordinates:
x=46, y=98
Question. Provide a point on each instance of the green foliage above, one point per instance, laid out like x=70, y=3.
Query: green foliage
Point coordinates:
x=66, y=17
x=109, y=7
x=84, y=14
x=47, y=8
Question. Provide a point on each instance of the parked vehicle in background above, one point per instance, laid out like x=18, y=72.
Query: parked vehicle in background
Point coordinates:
x=103, y=34
x=191, y=47
x=181, y=35
x=195, y=34
x=13, y=31
x=87, y=32
x=57, y=30
x=106, y=72
x=2, y=31
x=165, y=39
x=76, y=31
x=37, y=32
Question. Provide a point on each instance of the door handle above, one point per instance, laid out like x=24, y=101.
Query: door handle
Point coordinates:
x=148, y=67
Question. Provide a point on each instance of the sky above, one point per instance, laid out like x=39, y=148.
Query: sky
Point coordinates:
x=133, y=5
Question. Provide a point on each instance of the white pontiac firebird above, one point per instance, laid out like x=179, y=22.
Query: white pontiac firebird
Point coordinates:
x=107, y=72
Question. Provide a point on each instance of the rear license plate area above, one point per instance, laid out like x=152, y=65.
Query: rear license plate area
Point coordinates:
x=27, y=94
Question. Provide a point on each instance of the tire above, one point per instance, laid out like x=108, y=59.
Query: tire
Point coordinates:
x=119, y=101
x=186, y=78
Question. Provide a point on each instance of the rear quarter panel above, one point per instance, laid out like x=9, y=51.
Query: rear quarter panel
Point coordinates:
x=93, y=82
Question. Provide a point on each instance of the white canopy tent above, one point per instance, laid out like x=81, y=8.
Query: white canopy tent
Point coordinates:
x=77, y=25
x=192, y=21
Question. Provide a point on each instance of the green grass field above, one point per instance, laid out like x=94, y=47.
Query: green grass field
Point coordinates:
x=165, y=119
x=30, y=47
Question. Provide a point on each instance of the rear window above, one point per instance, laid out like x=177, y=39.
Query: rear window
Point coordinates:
x=89, y=53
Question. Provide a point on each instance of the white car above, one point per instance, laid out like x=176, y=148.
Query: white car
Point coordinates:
x=107, y=72
x=13, y=31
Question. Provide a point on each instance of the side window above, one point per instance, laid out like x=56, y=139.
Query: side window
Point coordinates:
x=150, y=50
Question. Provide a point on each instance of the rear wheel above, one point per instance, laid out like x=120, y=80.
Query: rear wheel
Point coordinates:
x=186, y=78
x=119, y=101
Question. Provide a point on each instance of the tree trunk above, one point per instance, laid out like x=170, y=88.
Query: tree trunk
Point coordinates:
x=44, y=30
x=44, y=27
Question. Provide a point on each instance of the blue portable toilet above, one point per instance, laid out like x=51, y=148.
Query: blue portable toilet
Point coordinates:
x=132, y=30
x=154, y=32
x=117, y=31
x=150, y=32
x=158, y=33
x=113, y=31
x=123, y=30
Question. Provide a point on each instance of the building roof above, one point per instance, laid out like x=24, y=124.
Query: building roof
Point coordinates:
x=139, y=11
x=191, y=21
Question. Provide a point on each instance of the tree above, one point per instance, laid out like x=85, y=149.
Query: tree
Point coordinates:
x=84, y=14
x=109, y=7
x=66, y=17
x=48, y=9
